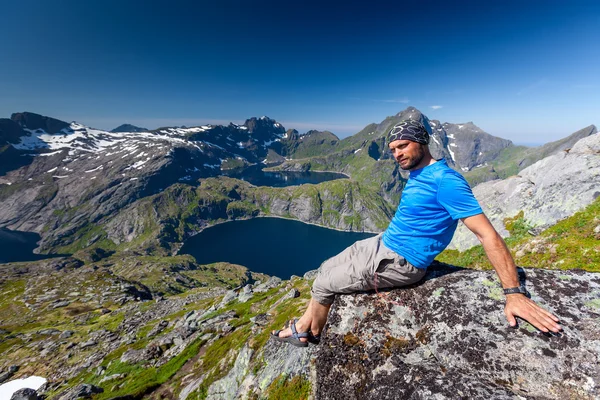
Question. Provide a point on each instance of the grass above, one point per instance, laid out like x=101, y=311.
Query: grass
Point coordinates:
x=140, y=379
x=569, y=244
x=285, y=388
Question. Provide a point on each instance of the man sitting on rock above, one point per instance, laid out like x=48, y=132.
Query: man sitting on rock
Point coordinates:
x=434, y=199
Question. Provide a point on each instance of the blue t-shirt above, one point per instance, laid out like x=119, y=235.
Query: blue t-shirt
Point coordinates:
x=434, y=199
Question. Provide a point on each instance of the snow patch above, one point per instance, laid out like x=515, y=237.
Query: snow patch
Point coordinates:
x=451, y=136
x=9, y=388
x=451, y=154
x=95, y=169
x=52, y=170
x=50, y=154
x=356, y=151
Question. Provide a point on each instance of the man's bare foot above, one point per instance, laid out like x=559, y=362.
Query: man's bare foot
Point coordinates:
x=286, y=331
x=294, y=333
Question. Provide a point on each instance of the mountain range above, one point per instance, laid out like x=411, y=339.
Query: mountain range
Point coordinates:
x=126, y=315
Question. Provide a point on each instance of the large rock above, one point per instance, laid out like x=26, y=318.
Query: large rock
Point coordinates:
x=448, y=338
x=546, y=192
x=228, y=387
x=81, y=391
x=25, y=394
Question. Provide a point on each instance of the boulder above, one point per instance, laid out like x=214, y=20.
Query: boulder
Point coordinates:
x=8, y=374
x=81, y=391
x=312, y=274
x=270, y=284
x=24, y=394
x=447, y=337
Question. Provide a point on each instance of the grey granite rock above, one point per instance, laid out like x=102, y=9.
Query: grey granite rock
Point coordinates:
x=229, y=297
x=24, y=394
x=270, y=284
x=9, y=373
x=312, y=274
x=227, y=387
x=447, y=338
x=292, y=294
x=81, y=391
x=551, y=189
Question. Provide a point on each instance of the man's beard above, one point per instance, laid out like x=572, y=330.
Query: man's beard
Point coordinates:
x=415, y=160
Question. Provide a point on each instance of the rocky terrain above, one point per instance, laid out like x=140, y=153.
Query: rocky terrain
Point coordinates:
x=126, y=317
x=545, y=192
x=443, y=336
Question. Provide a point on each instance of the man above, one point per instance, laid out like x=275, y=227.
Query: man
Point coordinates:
x=434, y=199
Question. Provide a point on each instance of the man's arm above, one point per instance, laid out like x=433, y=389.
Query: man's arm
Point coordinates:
x=517, y=305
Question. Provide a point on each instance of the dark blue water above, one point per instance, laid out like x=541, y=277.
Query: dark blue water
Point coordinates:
x=273, y=246
x=18, y=246
x=256, y=176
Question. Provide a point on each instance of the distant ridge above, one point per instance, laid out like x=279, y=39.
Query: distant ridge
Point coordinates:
x=129, y=128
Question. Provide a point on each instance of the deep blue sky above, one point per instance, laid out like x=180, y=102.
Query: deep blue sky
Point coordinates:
x=528, y=71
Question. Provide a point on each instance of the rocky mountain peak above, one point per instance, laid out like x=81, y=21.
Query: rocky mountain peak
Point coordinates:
x=128, y=128
x=263, y=123
x=32, y=121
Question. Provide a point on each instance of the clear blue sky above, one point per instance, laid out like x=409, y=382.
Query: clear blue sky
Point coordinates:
x=528, y=71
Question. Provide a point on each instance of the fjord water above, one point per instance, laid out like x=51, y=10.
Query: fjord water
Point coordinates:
x=273, y=246
x=256, y=176
x=18, y=246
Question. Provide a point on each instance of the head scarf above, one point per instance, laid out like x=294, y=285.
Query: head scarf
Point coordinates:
x=409, y=130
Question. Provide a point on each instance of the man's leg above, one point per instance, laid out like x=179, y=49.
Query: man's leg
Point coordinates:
x=343, y=273
x=313, y=319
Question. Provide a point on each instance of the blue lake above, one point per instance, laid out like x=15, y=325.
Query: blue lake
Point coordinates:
x=18, y=246
x=256, y=176
x=273, y=246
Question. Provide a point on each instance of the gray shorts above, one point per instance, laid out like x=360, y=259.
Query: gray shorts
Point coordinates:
x=353, y=270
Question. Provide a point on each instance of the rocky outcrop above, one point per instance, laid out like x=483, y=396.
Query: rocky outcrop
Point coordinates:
x=547, y=191
x=447, y=337
x=531, y=155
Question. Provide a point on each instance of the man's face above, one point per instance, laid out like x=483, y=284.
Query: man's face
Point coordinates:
x=407, y=153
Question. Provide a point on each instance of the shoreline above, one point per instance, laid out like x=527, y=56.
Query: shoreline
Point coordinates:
x=312, y=171
x=268, y=216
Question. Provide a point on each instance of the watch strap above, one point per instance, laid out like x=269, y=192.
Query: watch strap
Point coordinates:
x=514, y=290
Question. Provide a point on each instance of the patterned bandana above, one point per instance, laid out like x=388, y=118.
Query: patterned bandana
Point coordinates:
x=409, y=130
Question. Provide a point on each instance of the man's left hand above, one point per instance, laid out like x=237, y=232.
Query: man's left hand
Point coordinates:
x=518, y=305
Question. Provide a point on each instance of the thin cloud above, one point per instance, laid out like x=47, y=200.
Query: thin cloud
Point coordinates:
x=322, y=126
x=401, y=101
x=532, y=87
x=584, y=86
x=436, y=107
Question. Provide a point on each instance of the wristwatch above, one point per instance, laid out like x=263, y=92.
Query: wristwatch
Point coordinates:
x=513, y=290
